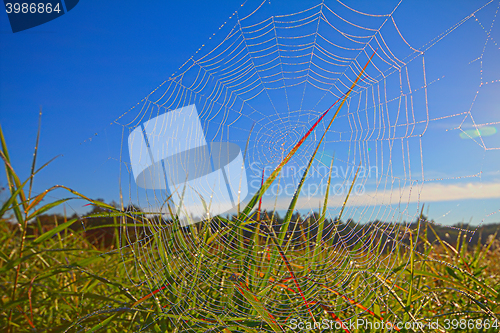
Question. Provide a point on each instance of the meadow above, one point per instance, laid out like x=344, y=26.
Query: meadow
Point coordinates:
x=118, y=270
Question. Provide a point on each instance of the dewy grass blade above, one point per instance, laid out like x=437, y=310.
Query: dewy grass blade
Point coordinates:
x=35, y=153
x=291, y=207
x=290, y=270
x=349, y=192
x=260, y=201
x=15, y=186
x=362, y=307
x=53, y=231
x=412, y=263
x=321, y=222
x=19, y=189
x=148, y=296
x=46, y=207
x=399, y=300
x=257, y=305
x=8, y=205
x=103, y=323
x=335, y=317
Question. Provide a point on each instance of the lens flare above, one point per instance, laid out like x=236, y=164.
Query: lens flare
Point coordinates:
x=482, y=131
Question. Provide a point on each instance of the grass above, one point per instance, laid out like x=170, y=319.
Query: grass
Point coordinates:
x=65, y=283
x=157, y=277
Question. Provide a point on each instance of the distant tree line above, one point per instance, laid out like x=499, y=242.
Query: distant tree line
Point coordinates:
x=101, y=227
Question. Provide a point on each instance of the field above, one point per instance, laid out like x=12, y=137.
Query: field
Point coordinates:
x=116, y=270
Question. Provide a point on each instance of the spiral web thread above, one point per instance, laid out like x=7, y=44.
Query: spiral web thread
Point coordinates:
x=267, y=81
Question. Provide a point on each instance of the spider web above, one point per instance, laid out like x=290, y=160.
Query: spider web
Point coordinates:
x=261, y=82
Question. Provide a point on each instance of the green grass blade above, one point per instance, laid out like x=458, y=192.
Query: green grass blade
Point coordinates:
x=291, y=207
x=47, y=207
x=12, y=199
x=321, y=221
x=258, y=306
x=15, y=187
x=35, y=153
x=55, y=230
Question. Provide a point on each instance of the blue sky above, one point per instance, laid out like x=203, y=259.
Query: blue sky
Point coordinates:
x=92, y=65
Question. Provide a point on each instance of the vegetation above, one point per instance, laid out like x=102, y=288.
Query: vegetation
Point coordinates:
x=111, y=271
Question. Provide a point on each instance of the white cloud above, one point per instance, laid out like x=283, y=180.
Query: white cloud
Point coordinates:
x=429, y=192
x=439, y=192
